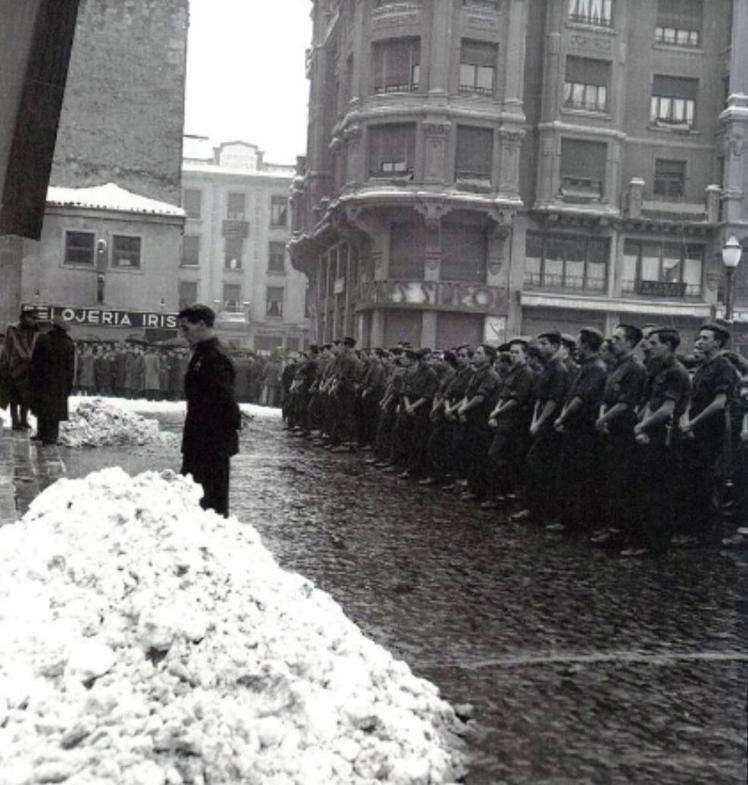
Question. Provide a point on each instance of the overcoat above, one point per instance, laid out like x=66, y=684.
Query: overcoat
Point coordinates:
x=52, y=373
x=211, y=428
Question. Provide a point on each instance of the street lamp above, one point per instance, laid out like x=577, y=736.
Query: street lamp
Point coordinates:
x=731, y=253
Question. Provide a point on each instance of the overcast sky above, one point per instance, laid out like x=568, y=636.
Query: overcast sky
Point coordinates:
x=245, y=73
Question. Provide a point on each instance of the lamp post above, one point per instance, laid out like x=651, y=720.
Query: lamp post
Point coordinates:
x=731, y=253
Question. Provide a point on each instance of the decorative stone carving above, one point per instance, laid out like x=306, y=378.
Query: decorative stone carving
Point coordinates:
x=494, y=264
x=502, y=219
x=436, y=128
x=636, y=197
x=359, y=221
x=352, y=133
x=591, y=44
x=511, y=136
x=433, y=210
x=736, y=142
x=433, y=258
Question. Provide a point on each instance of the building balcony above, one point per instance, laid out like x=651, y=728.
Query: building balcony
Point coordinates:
x=234, y=228
x=657, y=208
x=654, y=306
x=665, y=289
x=581, y=190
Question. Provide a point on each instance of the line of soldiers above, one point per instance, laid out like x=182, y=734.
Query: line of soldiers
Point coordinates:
x=614, y=439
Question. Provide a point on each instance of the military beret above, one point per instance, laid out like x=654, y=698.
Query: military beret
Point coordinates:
x=569, y=341
x=554, y=336
x=350, y=342
x=632, y=331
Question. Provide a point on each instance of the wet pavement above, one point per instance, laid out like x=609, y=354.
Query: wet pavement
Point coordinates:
x=582, y=668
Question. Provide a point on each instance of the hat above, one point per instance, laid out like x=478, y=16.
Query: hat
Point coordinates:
x=569, y=341
x=554, y=336
x=409, y=351
x=717, y=329
x=633, y=331
x=349, y=342
x=59, y=321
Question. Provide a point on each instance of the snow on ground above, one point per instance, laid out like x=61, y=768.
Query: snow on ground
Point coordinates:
x=142, y=406
x=149, y=642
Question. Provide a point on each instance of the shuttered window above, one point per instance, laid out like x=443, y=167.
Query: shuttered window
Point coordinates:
x=478, y=66
x=674, y=101
x=679, y=22
x=586, y=85
x=583, y=165
x=397, y=65
x=474, y=153
x=392, y=149
x=464, y=251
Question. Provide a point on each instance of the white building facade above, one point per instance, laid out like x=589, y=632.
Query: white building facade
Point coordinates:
x=234, y=256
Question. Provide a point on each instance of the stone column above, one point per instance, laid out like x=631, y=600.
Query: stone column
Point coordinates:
x=436, y=136
x=511, y=142
x=440, y=52
x=514, y=60
x=635, y=197
x=354, y=170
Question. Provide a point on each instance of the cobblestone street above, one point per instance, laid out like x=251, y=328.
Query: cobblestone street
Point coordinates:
x=581, y=668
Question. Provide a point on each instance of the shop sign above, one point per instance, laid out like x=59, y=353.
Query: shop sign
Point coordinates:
x=662, y=288
x=106, y=317
x=436, y=294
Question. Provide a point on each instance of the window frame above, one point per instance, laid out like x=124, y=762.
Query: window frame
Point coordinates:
x=662, y=107
x=595, y=96
x=606, y=19
x=193, y=216
x=542, y=282
x=675, y=28
x=126, y=268
x=471, y=86
x=581, y=178
x=632, y=287
x=384, y=49
x=227, y=300
x=227, y=259
x=236, y=215
x=669, y=177
x=409, y=149
x=281, y=270
x=185, y=303
x=464, y=130
x=269, y=302
x=196, y=237
x=275, y=202
x=66, y=247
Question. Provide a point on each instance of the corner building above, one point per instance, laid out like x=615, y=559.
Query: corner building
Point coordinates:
x=480, y=168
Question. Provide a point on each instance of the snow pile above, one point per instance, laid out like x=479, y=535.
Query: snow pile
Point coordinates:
x=98, y=423
x=149, y=642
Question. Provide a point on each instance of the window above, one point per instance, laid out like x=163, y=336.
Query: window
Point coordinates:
x=591, y=12
x=187, y=293
x=582, y=169
x=407, y=243
x=392, y=149
x=191, y=250
x=79, y=248
x=277, y=258
x=679, y=22
x=566, y=262
x=474, y=153
x=477, y=67
x=662, y=269
x=464, y=252
x=673, y=102
x=126, y=252
x=670, y=178
x=234, y=251
x=236, y=207
x=192, y=202
x=278, y=211
x=397, y=65
x=274, y=302
x=232, y=298
x=587, y=84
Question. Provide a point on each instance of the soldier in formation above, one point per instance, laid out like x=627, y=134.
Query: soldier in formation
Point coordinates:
x=613, y=440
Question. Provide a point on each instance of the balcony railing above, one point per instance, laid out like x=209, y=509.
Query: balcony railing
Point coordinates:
x=664, y=289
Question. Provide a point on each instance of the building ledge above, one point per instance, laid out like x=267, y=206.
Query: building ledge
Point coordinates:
x=616, y=305
x=112, y=198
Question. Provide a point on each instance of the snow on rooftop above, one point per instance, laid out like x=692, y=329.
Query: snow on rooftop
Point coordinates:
x=110, y=197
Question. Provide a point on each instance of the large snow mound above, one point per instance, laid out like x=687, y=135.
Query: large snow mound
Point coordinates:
x=95, y=422
x=146, y=641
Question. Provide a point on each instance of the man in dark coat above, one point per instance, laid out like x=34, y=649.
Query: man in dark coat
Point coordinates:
x=52, y=373
x=211, y=429
x=19, y=344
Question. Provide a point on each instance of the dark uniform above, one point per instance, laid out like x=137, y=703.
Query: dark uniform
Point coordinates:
x=211, y=428
x=625, y=385
x=659, y=459
x=373, y=383
x=543, y=490
x=511, y=439
x=388, y=416
x=412, y=430
x=702, y=452
x=581, y=450
x=476, y=435
x=440, y=448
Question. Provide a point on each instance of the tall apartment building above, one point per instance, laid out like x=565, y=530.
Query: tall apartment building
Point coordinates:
x=110, y=245
x=480, y=168
x=234, y=254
